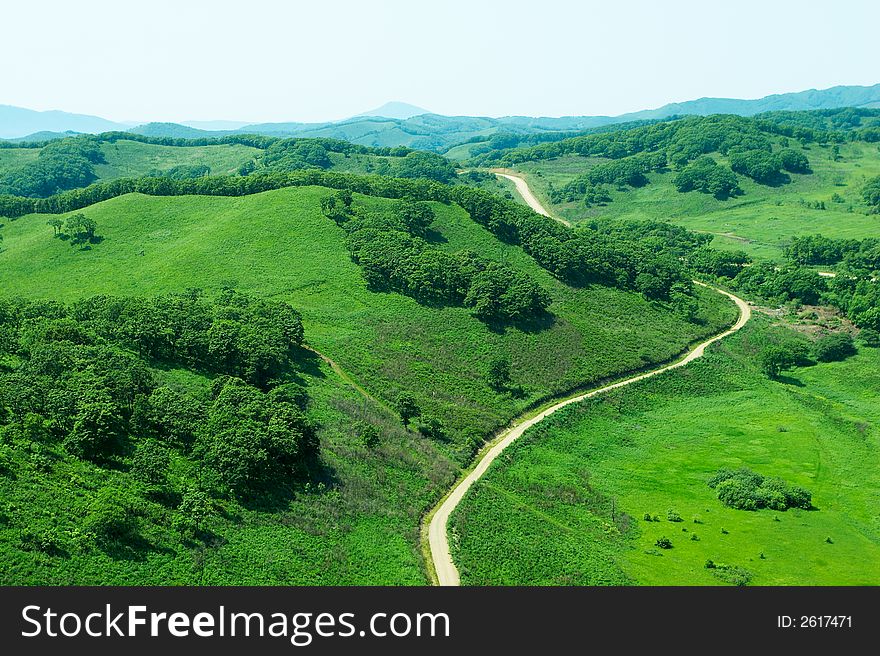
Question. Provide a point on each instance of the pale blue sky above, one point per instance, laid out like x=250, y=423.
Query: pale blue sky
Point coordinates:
x=264, y=60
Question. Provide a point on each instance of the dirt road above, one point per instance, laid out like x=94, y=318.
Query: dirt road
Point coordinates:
x=437, y=531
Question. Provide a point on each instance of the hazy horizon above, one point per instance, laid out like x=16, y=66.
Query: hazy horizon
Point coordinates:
x=277, y=61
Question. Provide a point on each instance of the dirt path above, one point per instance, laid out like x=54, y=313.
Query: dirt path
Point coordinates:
x=523, y=188
x=438, y=520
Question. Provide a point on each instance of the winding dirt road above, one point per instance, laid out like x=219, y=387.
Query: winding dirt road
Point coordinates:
x=523, y=188
x=437, y=532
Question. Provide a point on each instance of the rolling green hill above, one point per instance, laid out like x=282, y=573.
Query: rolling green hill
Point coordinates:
x=760, y=217
x=358, y=522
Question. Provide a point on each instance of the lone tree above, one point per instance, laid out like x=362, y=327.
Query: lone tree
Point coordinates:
x=81, y=228
x=776, y=359
x=407, y=408
x=56, y=224
x=498, y=376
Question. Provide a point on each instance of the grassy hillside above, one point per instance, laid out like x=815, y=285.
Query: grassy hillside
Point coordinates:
x=361, y=526
x=758, y=222
x=572, y=494
x=760, y=217
x=131, y=159
x=277, y=244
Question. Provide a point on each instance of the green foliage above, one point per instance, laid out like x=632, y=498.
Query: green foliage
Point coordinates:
x=249, y=442
x=816, y=249
x=111, y=518
x=393, y=256
x=407, y=408
x=774, y=359
x=149, y=465
x=368, y=434
x=704, y=174
x=723, y=264
x=784, y=284
x=794, y=161
x=760, y=165
x=430, y=166
x=498, y=375
x=583, y=189
x=433, y=428
x=61, y=165
x=744, y=489
x=81, y=229
x=871, y=193
x=870, y=337
x=663, y=542
x=672, y=515
x=194, y=512
x=834, y=347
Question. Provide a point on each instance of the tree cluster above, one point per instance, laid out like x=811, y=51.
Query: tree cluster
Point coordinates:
x=61, y=165
x=83, y=378
x=705, y=175
x=744, y=489
x=393, y=255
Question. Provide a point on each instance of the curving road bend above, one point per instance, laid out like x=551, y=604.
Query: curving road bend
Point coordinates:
x=438, y=539
x=523, y=188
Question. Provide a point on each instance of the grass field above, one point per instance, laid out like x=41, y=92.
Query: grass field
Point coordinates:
x=278, y=244
x=759, y=222
x=363, y=527
x=572, y=493
x=131, y=159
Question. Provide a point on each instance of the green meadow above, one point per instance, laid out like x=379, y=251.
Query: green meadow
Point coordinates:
x=759, y=222
x=277, y=244
x=567, y=503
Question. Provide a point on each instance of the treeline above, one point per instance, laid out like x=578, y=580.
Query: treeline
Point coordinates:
x=854, y=290
x=857, y=254
x=871, y=194
x=83, y=379
x=578, y=257
x=505, y=139
x=826, y=125
x=67, y=164
x=371, y=185
x=681, y=141
x=60, y=165
x=683, y=144
x=393, y=254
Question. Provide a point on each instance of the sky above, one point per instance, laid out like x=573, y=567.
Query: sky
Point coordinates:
x=271, y=60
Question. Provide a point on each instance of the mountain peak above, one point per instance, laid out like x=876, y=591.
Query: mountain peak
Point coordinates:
x=396, y=109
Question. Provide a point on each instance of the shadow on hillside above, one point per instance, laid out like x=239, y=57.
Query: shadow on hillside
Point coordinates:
x=317, y=474
x=308, y=362
x=132, y=548
x=434, y=237
x=788, y=380
x=775, y=181
x=531, y=325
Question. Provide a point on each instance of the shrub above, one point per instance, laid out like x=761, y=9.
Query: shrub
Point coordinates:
x=793, y=161
x=673, y=516
x=744, y=489
x=663, y=542
x=368, y=434
x=111, y=518
x=150, y=464
x=834, y=347
x=870, y=337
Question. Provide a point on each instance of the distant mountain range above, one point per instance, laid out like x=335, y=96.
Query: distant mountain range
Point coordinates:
x=401, y=124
